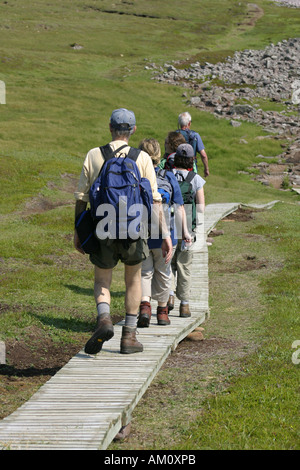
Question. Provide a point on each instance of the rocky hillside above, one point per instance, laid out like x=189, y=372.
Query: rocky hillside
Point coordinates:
x=227, y=89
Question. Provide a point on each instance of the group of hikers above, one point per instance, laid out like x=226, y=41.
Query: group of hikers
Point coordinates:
x=156, y=266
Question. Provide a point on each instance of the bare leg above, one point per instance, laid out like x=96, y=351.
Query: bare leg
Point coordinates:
x=129, y=343
x=104, y=329
x=102, y=284
x=133, y=288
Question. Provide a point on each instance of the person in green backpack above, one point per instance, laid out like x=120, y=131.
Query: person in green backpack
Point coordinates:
x=173, y=139
x=192, y=190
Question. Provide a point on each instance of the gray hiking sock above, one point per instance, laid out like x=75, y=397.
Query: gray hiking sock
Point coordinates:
x=130, y=320
x=103, y=309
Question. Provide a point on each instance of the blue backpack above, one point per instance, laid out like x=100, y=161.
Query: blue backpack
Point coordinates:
x=120, y=185
x=164, y=186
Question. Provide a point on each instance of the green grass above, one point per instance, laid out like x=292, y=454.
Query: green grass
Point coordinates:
x=259, y=409
x=58, y=103
x=238, y=389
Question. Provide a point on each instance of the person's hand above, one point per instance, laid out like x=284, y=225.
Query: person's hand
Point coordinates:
x=167, y=249
x=188, y=239
x=77, y=244
x=206, y=172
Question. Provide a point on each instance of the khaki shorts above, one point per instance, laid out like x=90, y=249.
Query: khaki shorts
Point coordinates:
x=112, y=251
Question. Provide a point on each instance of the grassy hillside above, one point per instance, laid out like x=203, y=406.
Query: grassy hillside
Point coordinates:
x=59, y=99
x=58, y=103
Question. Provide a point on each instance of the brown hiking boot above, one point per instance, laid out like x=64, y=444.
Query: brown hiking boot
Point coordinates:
x=162, y=316
x=144, y=315
x=104, y=331
x=129, y=343
x=170, y=303
x=184, y=311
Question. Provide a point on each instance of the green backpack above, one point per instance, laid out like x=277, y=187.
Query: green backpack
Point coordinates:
x=189, y=198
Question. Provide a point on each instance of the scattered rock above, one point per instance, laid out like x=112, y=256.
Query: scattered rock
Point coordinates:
x=235, y=123
x=296, y=92
x=196, y=335
x=283, y=175
x=76, y=46
x=123, y=433
x=241, y=109
x=195, y=100
x=288, y=3
x=215, y=233
x=272, y=73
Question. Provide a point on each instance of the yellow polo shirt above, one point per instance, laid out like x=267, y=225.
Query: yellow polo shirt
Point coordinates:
x=94, y=161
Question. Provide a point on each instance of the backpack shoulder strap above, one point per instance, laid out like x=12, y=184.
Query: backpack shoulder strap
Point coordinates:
x=133, y=153
x=162, y=172
x=185, y=133
x=108, y=153
x=191, y=175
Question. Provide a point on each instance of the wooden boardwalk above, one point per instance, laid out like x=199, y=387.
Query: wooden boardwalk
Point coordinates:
x=85, y=404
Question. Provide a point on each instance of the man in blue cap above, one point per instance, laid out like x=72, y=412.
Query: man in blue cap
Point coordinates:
x=122, y=125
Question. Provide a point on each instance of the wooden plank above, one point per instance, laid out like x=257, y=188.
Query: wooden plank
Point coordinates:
x=84, y=405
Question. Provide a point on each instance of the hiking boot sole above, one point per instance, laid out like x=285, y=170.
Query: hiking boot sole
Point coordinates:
x=95, y=343
x=131, y=349
x=163, y=322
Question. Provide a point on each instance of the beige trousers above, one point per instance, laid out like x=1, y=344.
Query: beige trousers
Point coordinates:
x=156, y=276
x=181, y=265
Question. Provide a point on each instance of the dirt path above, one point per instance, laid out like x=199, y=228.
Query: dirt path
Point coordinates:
x=254, y=13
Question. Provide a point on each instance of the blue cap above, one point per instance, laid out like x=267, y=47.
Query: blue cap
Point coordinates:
x=122, y=119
